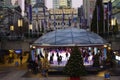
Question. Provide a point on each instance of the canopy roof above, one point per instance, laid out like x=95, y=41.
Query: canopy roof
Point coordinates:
x=70, y=37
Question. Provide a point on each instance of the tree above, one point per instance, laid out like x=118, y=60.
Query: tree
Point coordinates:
x=110, y=58
x=96, y=61
x=18, y=9
x=98, y=17
x=74, y=66
x=115, y=28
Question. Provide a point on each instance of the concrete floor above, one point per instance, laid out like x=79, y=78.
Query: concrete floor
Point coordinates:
x=12, y=72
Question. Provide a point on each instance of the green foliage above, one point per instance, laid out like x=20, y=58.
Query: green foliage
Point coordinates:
x=109, y=55
x=74, y=66
x=115, y=28
x=96, y=61
x=98, y=17
x=29, y=58
x=110, y=61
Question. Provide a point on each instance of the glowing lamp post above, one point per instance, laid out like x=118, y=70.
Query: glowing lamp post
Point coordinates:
x=11, y=28
x=113, y=24
x=20, y=24
x=30, y=29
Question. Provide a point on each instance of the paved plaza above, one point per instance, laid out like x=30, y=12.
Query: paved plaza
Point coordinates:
x=18, y=75
x=13, y=72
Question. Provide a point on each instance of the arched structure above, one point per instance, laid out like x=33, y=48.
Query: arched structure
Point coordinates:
x=70, y=37
x=59, y=42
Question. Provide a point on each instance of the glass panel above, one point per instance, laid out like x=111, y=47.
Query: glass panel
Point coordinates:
x=70, y=36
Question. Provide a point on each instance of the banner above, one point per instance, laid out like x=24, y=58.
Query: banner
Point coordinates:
x=109, y=10
x=30, y=13
x=69, y=22
x=105, y=12
x=63, y=16
x=54, y=21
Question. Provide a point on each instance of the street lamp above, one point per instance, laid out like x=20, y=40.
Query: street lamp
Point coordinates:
x=11, y=28
x=20, y=24
x=105, y=46
x=30, y=29
x=113, y=24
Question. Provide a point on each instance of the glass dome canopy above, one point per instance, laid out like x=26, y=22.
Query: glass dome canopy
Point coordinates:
x=70, y=37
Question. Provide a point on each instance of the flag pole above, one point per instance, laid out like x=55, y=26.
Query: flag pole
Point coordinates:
x=30, y=17
x=37, y=23
x=72, y=18
x=103, y=18
x=62, y=18
x=108, y=18
x=97, y=21
x=44, y=19
x=54, y=20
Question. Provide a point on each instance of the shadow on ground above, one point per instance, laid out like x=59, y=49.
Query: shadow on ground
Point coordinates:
x=58, y=72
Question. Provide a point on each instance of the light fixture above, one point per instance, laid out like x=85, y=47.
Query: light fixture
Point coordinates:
x=105, y=46
x=30, y=46
x=30, y=27
x=109, y=48
x=20, y=22
x=12, y=28
x=113, y=21
x=33, y=47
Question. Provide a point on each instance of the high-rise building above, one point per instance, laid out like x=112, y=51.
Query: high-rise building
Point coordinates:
x=7, y=2
x=20, y=3
x=39, y=16
x=69, y=5
x=41, y=1
x=55, y=4
x=33, y=2
x=13, y=2
x=62, y=4
x=63, y=14
x=88, y=7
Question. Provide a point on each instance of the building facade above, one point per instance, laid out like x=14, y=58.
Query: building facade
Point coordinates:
x=39, y=20
x=62, y=4
x=63, y=18
x=33, y=2
x=63, y=15
x=116, y=11
x=55, y=4
x=88, y=7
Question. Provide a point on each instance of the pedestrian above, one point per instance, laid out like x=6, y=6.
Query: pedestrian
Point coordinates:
x=51, y=59
x=66, y=54
x=57, y=54
x=45, y=67
x=58, y=60
x=21, y=58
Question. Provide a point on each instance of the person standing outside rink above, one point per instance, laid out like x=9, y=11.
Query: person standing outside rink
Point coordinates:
x=21, y=58
x=45, y=65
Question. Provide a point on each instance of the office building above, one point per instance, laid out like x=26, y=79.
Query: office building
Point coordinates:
x=33, y=2
x=62, y=4
x=88, y=7
x=55, y=4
